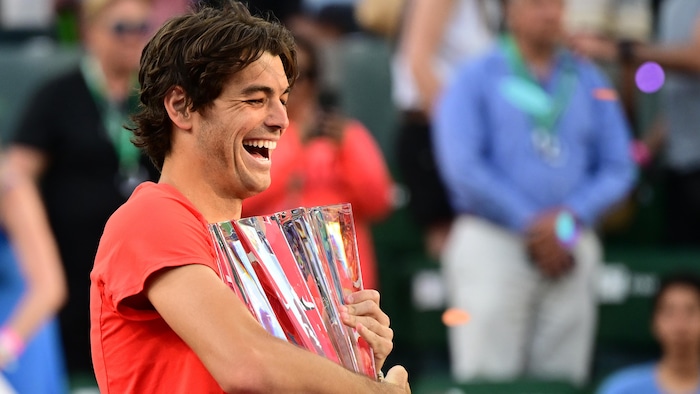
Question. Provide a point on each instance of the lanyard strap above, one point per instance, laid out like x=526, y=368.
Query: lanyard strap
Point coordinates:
x=114, y=116
x=564, y=86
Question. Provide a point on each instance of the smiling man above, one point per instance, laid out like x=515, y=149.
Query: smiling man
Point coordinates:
x=214, y=86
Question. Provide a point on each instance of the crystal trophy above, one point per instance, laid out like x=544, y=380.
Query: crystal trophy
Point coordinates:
x=284, y=284
x=334, y=229
x=293, y=270
x=237, y=272
x=301, y=240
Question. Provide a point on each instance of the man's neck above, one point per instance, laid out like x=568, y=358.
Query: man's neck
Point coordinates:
x=185, y=176
x=538, y=56
x=680, y=371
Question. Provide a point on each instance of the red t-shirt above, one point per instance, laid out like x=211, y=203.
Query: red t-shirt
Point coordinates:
x=133, y=348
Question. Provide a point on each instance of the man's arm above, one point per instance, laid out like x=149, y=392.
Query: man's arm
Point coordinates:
x=424, y=27
x=24, y=217
x=237, y=351
x=614, y=172
x=682, y=58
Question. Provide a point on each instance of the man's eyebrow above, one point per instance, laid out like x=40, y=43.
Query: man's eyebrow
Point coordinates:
x=262, y=88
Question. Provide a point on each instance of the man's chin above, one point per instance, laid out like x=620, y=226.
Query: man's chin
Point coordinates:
x=682, y=344
x=254, y=190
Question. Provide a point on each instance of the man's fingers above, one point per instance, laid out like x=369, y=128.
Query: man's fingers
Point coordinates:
x=381, y=345
x=369, y=308
x=397, y=375
x=363, y=295
x=368, y=322
x=374, y=326
x=549, y=255
x=559, y=265
x=366, y=303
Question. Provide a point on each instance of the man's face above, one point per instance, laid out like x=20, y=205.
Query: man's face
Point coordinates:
x=677, y=319
x=235, y=137
x=119, y=33
x=538, y=20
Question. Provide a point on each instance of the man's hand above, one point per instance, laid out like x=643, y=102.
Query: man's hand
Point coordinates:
x=362, y=312
x=545, y=248
x=399, y=377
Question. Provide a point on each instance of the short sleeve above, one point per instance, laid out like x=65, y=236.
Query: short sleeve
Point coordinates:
x=144, y=236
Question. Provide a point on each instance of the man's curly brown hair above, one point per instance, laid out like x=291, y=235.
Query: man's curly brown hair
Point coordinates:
x=200, y=52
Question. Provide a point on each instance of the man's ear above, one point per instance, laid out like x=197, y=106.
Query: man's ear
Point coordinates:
x=176, y=105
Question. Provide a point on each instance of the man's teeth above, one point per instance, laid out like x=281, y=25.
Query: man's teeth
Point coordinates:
x=261, y=144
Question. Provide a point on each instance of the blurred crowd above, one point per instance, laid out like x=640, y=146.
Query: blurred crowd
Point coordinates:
x=514, y=141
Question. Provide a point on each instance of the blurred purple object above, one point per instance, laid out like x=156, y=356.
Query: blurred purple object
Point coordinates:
x=650, y=77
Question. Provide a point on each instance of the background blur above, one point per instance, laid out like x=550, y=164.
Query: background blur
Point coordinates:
x=39, y=38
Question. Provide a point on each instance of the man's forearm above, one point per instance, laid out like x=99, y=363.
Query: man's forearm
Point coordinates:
x=680, y=58
x=292, y=369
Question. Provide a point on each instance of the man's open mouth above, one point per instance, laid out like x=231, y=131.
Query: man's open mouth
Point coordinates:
x=259, y=149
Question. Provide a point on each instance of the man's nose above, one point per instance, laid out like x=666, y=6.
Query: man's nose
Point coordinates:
x=277, y=117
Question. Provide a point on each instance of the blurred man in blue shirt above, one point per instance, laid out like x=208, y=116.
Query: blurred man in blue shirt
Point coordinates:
x=534, y=149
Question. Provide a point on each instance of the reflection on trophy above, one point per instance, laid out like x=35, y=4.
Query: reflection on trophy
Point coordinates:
x=293, y=270
x=236, y=271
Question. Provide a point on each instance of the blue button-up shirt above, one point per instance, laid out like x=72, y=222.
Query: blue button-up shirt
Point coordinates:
x=485, y=154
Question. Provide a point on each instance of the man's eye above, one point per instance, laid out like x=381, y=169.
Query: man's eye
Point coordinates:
x=256, y=101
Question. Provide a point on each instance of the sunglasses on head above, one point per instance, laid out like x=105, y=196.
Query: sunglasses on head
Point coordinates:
x=124, y=28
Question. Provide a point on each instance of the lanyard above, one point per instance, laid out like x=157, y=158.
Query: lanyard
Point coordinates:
x=564, y=86
x=114, y=117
